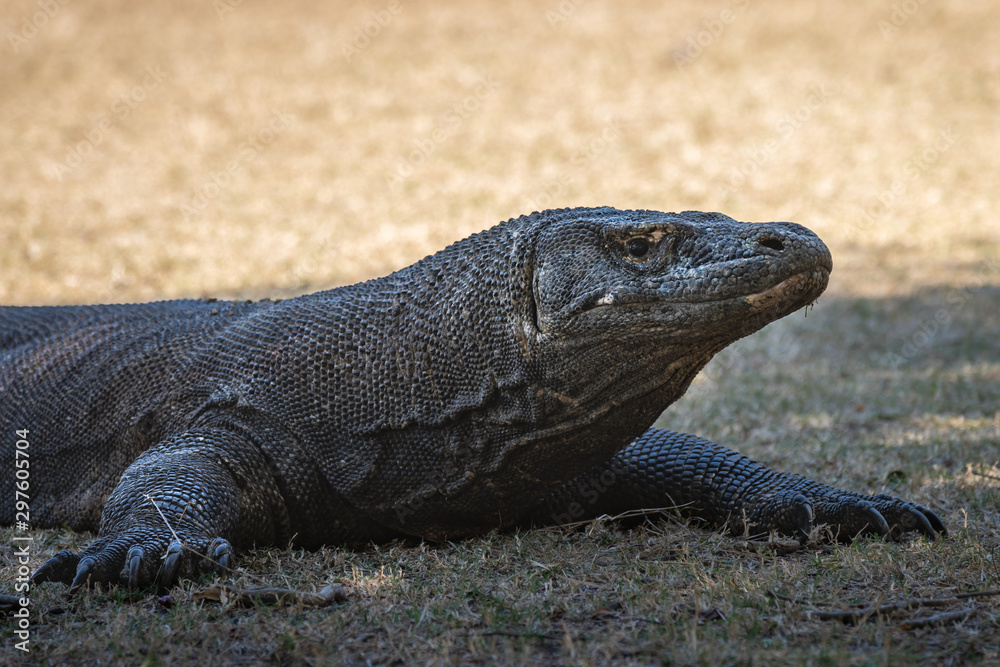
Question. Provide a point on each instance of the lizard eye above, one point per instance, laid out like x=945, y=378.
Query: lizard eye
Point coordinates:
x=638, y=248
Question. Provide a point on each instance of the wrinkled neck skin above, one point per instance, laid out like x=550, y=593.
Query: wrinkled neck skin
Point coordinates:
x=643, y=369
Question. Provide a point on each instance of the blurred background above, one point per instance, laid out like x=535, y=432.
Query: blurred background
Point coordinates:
x=218, y=147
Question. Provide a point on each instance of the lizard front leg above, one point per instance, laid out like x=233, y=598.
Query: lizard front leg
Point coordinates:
x=179, y=509
x=706, y=481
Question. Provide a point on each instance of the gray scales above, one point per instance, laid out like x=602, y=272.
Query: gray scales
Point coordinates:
x=510, y=379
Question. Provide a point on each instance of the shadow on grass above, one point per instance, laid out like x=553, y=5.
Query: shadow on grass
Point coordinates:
x=825, y=395
x=936, y=351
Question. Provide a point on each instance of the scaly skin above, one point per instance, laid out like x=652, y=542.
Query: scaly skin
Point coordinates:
x=485, y=386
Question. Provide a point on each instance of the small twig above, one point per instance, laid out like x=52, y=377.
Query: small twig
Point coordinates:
x=786, y=598
x=779, y=548
x=624, y=515
x=853, y=616
x=173, y=532
x=248, y=597
x=939, y=619
x=505, y=633
x=978, y=594
x=600, y=585
x=984, y=475
x=263, y=594
x=162, y=516
x=861, y=614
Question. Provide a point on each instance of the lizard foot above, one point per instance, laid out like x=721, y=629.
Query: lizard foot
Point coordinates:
x=137, y=559
x=173, y=514
x=807, y=505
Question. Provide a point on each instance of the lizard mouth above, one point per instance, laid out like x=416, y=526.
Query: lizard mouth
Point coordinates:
x=770, y=303
x=809, y=283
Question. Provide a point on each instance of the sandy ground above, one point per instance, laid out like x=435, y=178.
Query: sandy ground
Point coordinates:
x=166, y=149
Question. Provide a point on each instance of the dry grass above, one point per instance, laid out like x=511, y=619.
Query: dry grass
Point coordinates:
x=891, y=382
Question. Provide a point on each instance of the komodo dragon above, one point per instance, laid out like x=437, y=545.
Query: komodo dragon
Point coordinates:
x=510, y=379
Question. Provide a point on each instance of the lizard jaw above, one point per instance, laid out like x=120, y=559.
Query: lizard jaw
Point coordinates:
x=777, y=293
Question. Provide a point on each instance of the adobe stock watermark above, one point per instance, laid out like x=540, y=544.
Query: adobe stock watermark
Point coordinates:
x=370, y=29
x=915, y=166
x=409, y=508
x=425, y=147
x=900, y=14
x=932, y=327
x=585, y=153
x=120, y=110
x=779, y=345
x=31, y=26
x=216, y=183
x=562, y=12
x=307, y=265
x=223, y=7
x=589, y=490
x=712, y=30
x=756, y=158
x=22, y=551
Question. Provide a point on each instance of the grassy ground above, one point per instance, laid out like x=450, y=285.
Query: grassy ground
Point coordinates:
x=157, y=149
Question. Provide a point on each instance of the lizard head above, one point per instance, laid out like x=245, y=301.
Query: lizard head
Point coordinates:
x=700, y=280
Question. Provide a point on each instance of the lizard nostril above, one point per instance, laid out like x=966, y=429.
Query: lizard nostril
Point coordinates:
x=773, y=244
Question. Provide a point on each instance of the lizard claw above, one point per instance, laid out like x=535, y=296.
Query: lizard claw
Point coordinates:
x=935, y=522
x=135, y=556
x=61, y=567
x=851, y=515
x=171, y=565
x=805, y=504
x=906, y=517
x=131, y=560
x=921, y=523
x=875, y=522
x=222, y=557
x=803, y=517
x=84, y=571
